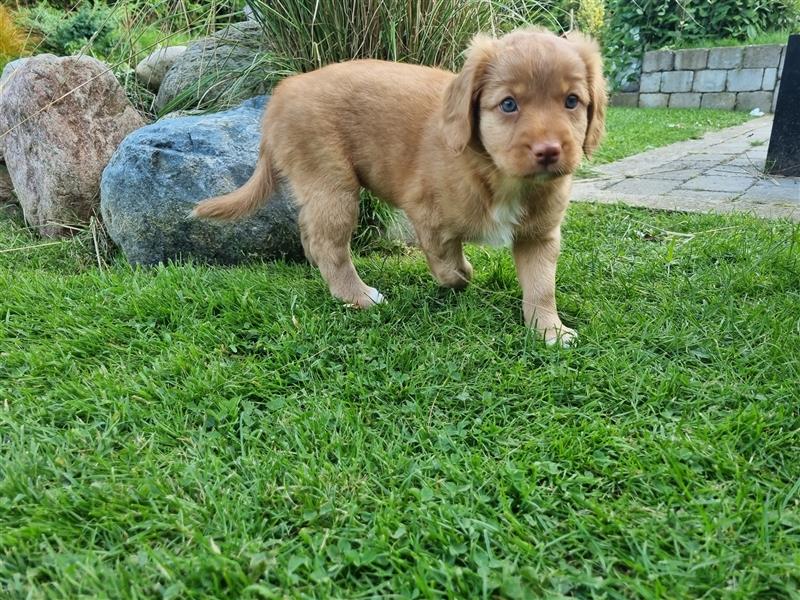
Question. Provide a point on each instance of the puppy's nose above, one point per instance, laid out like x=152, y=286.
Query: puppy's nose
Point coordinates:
x=546, y=153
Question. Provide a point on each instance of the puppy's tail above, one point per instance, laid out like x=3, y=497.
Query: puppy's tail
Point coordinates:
x=246, y=199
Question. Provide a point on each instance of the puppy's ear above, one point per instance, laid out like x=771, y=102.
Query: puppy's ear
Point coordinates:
x=598, y=99
x=463, y=91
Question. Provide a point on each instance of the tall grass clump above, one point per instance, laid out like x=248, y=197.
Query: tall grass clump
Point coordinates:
x=12, y=38
x=311, y=34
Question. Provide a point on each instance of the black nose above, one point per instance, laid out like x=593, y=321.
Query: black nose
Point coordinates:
x=546, y=153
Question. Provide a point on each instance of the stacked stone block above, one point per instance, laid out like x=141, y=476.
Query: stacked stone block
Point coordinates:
x=739, y=78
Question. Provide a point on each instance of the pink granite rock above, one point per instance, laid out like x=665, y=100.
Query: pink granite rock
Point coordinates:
x=62, y=119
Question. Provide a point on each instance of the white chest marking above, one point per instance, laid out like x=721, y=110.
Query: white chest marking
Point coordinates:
x=507, y=213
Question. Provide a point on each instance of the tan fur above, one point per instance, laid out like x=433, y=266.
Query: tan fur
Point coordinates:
x=438, y=146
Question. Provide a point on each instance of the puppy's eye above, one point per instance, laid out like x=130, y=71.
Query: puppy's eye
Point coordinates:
x=508, y=105
x=571, y=101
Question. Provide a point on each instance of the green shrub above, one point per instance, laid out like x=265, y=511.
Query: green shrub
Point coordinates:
x=92, y=27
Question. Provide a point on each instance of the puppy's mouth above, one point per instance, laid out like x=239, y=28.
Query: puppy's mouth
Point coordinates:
x=547, y=173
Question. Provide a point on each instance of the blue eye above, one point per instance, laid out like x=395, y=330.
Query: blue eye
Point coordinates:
x=571, y=101
x=508, y=105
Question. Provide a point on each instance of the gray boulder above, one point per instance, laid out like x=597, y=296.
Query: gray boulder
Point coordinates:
x=160, y=172
x=151, y=70
x=213, y=70
x=64, y=116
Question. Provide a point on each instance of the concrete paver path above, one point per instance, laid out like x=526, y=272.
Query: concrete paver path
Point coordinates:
x=722, y=172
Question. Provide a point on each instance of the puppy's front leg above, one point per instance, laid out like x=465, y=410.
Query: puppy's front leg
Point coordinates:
x=535, y=259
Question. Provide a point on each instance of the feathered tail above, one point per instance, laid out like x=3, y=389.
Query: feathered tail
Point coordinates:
x=246, y=199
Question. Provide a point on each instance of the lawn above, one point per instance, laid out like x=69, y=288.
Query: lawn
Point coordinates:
x=197, y=432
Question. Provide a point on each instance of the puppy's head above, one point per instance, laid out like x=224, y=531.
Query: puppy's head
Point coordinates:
x=533, y=101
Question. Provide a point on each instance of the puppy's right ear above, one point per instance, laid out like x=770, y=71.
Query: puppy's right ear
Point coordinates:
x=462, y=93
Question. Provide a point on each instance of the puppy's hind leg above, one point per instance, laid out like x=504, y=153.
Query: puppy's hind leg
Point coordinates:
x=327, y=220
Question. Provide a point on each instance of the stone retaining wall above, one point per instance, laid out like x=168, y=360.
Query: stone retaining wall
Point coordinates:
x=738, y=78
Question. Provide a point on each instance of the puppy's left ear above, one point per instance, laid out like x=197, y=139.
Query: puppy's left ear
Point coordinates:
x=598, y=99
x=462, y=93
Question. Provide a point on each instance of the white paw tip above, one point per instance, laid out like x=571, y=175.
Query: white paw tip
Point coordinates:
x=376, y=296
x=563, y=338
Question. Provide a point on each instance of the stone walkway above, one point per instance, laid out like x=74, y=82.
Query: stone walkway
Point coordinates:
x=722, y=172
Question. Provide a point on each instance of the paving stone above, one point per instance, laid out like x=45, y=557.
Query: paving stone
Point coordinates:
x=725, y=58
x=674, y=174
x=680, y=81
x=650, y=82
x=745, y=80
x=750, y=170
x=628, y=99
x=747, y=101
x=708, y=183
x=691, y=59
x=710, y=81
x=724, y=171
x=770, y=79
x=644, y=186
x=653, y=100
x=685, y=100
x=761, y=56
x=657, y=60
x=720, y=100
x=774, y=189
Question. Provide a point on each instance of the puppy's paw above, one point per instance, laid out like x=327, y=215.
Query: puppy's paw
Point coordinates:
x=369, y=298
x=375, y=296
x=561, y=335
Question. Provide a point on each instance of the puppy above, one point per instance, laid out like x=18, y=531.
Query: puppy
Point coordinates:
x=485, y=155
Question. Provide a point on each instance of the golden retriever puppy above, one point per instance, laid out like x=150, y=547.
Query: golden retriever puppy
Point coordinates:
x=485, y=155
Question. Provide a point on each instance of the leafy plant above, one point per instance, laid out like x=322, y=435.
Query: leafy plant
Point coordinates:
x=90, y=27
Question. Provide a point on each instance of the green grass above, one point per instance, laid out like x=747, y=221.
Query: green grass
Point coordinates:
x=196, y=432
x=767, y=37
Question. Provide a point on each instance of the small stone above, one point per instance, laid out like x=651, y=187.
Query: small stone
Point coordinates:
x=204, y=73
x=151, y=71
